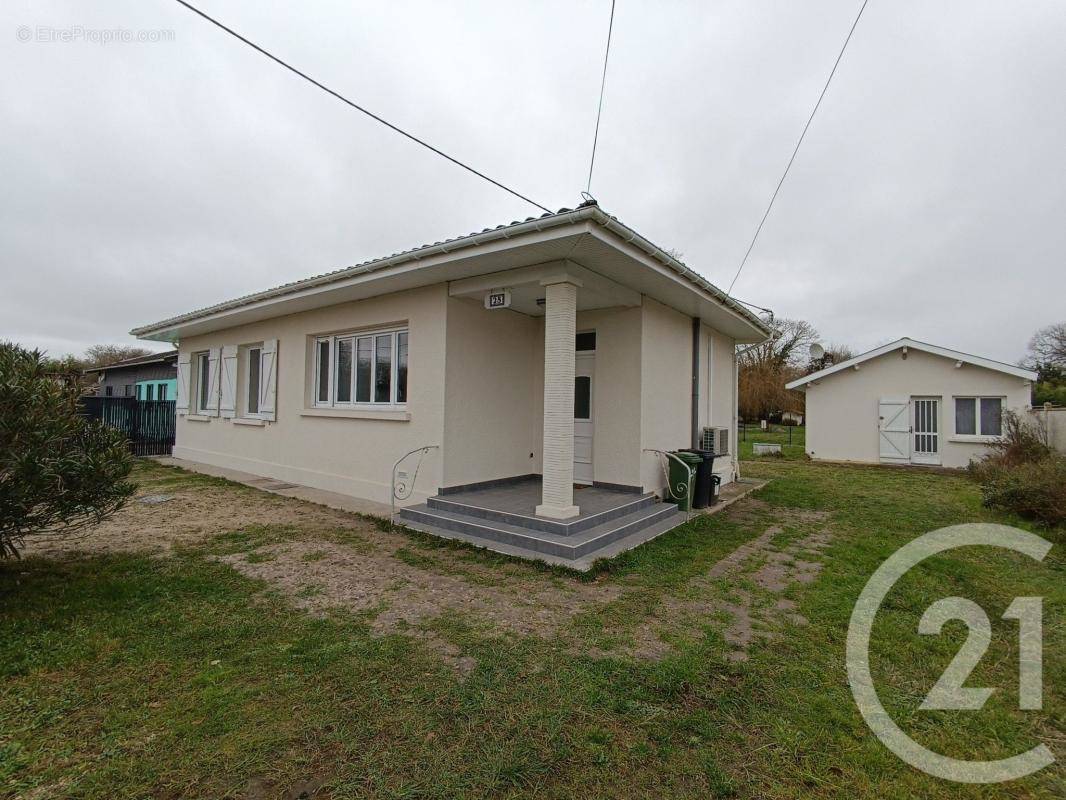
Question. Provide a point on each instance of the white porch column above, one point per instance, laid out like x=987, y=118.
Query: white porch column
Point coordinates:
x=560, y=326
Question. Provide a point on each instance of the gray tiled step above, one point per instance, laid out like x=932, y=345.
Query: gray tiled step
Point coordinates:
x=568, y=547
x=470, y=508
x=583, y=563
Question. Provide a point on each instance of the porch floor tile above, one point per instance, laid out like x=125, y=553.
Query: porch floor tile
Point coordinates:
x=522, y=498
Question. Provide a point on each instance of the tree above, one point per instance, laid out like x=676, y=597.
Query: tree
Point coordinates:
x=103, y=355
x=1048, y=346
x=1047, y=356
x=786, y=348
x=834, y=354
x=766, y=368
x=59, y=472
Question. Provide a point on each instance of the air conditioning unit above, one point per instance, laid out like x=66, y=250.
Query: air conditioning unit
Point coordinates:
x=716, y=440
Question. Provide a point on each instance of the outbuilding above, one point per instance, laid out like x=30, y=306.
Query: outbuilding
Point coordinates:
x=909, y=402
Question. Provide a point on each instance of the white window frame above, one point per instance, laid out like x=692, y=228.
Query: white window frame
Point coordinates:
x=355, y=336
x=198, y=358
x=246, y=382
x=979, y=435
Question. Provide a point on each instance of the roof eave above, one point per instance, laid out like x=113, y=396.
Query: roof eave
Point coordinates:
x=170, y=327
x=925, y=347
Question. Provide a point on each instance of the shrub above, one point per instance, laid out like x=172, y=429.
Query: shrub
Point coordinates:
x=1035, y=490
x=1024, y=441
x=59, y=472
x=1022, y=474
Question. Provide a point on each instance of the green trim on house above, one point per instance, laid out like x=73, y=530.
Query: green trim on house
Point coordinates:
x=157, y=390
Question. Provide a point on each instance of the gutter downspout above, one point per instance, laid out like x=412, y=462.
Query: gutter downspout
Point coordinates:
x=695, y=383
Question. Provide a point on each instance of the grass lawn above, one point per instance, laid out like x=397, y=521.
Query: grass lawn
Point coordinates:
x=791, y=438
x=194, y=674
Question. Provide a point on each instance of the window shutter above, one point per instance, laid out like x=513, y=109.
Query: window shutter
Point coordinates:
x=181, y=403
x=214, y=359
x=268, y=380
x=227, y=405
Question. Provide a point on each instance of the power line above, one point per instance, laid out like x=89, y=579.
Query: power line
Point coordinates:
x=784, y=175
x=358, y=107
x=599, y=110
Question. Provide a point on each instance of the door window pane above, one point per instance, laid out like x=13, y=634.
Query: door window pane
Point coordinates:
x=991, y=416
x=149, y=392
x=344, y=371
x=401, y=368
x=323, y=372
x=162, y=391
x=253, y=380
x=383, y=369
x=582, y=397
x=363, y=369
x=965, y=416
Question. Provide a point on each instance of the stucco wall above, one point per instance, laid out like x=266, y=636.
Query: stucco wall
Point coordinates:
x=616, y=397
x=716, y=390
x=666, y=386
x=842, y=410
x=339, y=454
x=495, y=394
x=492, y=421
x=476, y=388
x=1053, y=421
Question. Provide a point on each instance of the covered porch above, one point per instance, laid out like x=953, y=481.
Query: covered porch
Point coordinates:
x=503, y=518
x=558, y=330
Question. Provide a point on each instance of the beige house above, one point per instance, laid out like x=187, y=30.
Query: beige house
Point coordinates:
x=558, y=351
x=909, y=402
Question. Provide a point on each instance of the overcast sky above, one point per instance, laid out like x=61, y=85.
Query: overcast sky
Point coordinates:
x=142, y=180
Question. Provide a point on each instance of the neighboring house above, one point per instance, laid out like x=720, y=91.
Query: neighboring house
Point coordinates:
x=151, y=377
x=561, y=348
x=909, y=402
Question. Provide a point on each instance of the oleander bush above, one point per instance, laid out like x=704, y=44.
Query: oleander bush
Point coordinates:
x=60, y=473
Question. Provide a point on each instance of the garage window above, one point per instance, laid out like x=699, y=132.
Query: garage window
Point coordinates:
x=978, y=416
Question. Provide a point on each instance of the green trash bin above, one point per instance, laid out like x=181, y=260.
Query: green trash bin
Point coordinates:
x=682, y=479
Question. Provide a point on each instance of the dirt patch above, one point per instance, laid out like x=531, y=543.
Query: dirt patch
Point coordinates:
x=721, y=593
x=319, y=576
x=324, y=559
x=192, y=517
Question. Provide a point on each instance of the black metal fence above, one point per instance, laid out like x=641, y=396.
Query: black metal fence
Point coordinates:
x=148, y=424
x=780, y=434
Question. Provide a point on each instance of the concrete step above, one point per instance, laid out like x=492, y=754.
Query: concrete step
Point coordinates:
x=569, y=547
x=582, y=563
x=471, y=508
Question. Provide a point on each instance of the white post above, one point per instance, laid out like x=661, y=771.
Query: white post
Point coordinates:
x=560, y=327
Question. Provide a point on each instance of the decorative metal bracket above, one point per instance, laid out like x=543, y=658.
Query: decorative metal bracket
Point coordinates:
x=681, y=490
x=403, y=490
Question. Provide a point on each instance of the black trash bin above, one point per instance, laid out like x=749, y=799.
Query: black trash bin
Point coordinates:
x=703, y=494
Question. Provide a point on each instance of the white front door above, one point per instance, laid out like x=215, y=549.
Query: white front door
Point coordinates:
x=926, y=424
x=584, y=372
x=894, y=430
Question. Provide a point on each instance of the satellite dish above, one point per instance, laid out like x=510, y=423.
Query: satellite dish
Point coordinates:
x=816, y=351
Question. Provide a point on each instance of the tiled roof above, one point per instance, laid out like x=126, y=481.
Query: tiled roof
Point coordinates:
x=587, y=210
